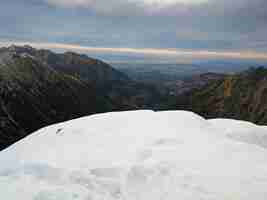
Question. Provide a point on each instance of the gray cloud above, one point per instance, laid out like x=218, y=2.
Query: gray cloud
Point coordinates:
x=228, y=25
x=241, y=16
x=170, y=7
x=149, y=7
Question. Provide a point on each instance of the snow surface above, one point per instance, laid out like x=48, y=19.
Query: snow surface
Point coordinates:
x=138, y=155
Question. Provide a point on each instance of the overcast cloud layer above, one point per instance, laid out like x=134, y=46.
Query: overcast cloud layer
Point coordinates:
x=209, y=25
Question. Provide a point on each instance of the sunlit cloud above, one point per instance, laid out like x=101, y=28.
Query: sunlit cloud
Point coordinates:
x=171, y=53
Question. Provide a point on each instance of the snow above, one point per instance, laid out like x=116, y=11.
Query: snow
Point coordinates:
x=138, y=155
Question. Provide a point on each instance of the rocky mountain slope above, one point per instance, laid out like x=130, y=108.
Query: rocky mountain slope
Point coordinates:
x=79, y=65
x=241, y=96
x=34, y=95
x=124, y=93
x=140, y=155
x=40, y=87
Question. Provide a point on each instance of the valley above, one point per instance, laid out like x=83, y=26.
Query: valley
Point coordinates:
x=41, y=87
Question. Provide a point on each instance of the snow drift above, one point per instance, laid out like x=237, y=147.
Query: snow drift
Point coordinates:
x=138, y=155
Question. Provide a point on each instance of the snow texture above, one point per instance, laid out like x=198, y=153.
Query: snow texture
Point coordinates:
x=138, y=155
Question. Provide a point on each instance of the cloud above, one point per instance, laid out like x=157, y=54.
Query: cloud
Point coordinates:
x=212, y=16
x=93, y=3
x=213, y=25
x=127, y=6
x=192, y=7
x=172, y=53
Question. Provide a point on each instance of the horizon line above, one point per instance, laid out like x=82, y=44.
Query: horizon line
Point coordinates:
x=170, y=52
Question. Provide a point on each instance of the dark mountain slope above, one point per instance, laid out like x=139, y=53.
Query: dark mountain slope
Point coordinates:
x=242, y=96
x=39, y=88
x=124, y=93
x=33, y=95
x=89, y=69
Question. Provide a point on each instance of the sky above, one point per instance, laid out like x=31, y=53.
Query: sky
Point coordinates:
x=190, y=29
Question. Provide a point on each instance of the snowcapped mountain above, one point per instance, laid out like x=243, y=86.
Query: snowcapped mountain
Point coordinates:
x=138, y=155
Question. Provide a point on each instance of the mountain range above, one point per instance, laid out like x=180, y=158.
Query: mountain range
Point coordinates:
x=41, y=87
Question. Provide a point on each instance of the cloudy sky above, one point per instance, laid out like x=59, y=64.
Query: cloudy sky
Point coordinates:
x=224, y=28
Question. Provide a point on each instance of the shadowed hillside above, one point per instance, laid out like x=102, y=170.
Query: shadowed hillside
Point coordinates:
x=39, y=88
x=34, y=95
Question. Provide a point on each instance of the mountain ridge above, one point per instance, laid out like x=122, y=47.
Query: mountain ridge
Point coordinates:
x=40, y=87
x=89, y=69
x=34, y=95
x=240, y=96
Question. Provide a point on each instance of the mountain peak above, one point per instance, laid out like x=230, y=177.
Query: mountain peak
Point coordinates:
x=20, y=49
